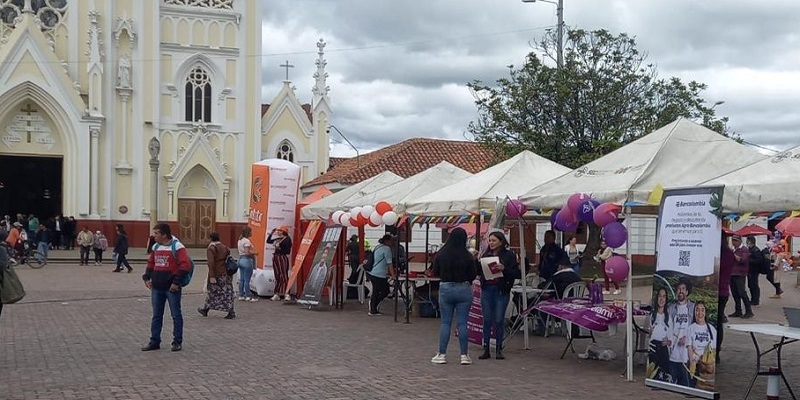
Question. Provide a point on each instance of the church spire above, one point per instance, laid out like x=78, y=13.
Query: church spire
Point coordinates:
x=321, y=88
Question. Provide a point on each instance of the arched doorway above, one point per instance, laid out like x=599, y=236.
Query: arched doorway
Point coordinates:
x=197, y=207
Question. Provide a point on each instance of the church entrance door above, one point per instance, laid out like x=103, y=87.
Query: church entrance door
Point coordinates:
x=196, y=219
x=31, y=185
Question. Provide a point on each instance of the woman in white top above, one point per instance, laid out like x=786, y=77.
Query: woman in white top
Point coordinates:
x=702, y=340
x=603, y=254
x=659, y=338
x=574, y=255
x=247, y=262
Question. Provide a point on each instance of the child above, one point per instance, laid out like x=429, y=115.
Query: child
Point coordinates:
x=100, y=245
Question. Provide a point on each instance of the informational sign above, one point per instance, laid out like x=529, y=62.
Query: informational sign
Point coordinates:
x=323, y=265
x=306, y=246
x=273, y=199
x=685, y=293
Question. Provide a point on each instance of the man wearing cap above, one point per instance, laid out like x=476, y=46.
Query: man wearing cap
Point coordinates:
x=741, y=268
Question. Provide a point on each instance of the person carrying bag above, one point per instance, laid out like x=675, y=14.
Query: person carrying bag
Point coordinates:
x=11, y=290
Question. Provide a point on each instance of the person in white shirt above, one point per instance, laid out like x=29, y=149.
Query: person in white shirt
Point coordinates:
x=247, y=262
x=702, y=340
x=660, y=338
x=682, y=316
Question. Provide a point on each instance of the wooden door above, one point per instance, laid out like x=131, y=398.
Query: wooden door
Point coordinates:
x=196, y=219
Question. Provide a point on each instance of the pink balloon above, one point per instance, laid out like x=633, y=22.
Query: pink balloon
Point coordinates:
x=615, y=234
x=516, y=209
x=605, y=214
x=566, y=220
x=617, y=268
x=574, y=202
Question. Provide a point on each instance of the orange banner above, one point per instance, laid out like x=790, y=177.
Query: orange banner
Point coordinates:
x=306, y=244
x=259, y=204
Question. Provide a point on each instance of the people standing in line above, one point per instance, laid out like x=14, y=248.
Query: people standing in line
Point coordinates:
x=550, y=256
x=603, y=254
x=382, y=269
x=121, y=250
x=99, y=246
x=164, y=274
x=279, y=237
x=85, y=242
x=247, y=262
x=755, y=261
x=574, y=255
x=660, y=336
x=741, y=268
x=681, y=313
x=726, y=262
x=43, y=237
x=456, y=269
x=495, y=293
x=219, y=284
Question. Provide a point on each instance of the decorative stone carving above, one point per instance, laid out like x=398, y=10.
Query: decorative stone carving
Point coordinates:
x=124, y=73
x=124, y=24
x=321, y=88
x=214, y=4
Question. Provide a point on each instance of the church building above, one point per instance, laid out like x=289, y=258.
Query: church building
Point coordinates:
x=103, y=100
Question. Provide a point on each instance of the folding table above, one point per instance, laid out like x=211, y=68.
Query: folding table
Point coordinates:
x=787, y=334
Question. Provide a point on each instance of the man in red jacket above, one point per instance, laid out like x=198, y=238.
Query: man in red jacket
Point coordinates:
x=164, y=274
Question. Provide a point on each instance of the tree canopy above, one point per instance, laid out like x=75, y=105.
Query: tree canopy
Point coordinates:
x=606, y=95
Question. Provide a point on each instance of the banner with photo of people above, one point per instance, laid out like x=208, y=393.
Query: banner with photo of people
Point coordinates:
x=683, y=340
x=322, y=267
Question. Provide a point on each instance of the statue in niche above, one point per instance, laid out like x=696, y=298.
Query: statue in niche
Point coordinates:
x=124, y=73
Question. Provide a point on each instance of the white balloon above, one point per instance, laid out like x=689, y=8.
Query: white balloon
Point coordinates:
x=367, y=211
x=345, y=218
x=375, y=218
x=355, y=211
x=390, y=218
x=336, y=216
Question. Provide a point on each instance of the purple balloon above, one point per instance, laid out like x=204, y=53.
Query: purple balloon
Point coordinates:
x=586, y=210
x=516, y=209
x=615, y=234
x=605, y=214
x=566, y=220
x=553, y=216
x=617, y=268
x=574, y=202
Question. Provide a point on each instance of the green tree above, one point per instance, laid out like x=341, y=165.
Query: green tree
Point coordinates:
x=606, y=95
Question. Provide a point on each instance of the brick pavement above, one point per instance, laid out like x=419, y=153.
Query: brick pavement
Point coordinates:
x=77, y=336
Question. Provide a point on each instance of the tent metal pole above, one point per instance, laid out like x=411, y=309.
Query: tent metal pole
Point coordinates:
x=629, y=298
x=407, y=231
x=524, y=268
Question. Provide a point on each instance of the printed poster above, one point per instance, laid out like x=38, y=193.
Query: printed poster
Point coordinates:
x=302, y=252
x=323, y=266
x=685, y=293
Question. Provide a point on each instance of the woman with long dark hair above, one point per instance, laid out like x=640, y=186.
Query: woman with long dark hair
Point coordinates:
x=495, y=293
x=279, y=238
x=121, y=249
x=455, y=267
x=659, y=337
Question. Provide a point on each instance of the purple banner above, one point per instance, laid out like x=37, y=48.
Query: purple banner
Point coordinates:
x=475, y=317
x=582, y=312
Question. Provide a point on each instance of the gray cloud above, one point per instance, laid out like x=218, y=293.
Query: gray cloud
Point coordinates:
x=398, y=69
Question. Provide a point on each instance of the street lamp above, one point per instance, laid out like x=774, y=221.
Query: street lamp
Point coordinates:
x=560, y=33
x=358, y=156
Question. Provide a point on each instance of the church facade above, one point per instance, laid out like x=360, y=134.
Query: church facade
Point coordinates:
x=103, y=100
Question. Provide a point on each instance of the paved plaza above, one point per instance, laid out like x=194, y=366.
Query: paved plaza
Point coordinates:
x=78, y=332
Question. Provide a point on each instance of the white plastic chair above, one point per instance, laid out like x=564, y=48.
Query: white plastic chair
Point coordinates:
x=574, y=290
x=360, y=285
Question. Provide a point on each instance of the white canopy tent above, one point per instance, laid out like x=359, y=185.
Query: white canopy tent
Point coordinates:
x=767, y=185
x=680, y=154
x=401, y=192
x=511, y=178
x=323, y=208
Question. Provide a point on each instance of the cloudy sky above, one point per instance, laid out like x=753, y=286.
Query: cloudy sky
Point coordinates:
x=398, y=69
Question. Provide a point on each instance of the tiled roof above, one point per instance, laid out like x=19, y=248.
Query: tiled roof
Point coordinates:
x=408, y=158
x=334, y=161
x=306, y=108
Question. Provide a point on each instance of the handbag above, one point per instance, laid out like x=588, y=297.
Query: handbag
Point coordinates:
x=231, y=265
x=11, y=290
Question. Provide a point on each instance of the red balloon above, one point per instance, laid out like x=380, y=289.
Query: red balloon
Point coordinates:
x=605, y=214
x=383, y=207
x=361, y=219
x=355, y=222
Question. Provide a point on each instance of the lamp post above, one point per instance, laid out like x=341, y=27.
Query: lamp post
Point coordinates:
x=560, y=32
x=358, y=156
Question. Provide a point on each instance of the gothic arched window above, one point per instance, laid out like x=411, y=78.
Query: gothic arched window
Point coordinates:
x=285, y=151
x=218, y=4
x=198, y=96
x=49, y=12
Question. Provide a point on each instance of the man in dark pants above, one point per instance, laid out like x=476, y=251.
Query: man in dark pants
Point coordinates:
x=381, y=271
x=756, y=260
x=741, y=268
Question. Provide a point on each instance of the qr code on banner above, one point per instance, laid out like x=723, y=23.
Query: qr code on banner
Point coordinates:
x=683, y=258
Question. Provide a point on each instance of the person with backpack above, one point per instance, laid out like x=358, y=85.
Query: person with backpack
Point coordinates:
x=756, y=263
x=168, y=268
x=219, y=283
x=379, y=267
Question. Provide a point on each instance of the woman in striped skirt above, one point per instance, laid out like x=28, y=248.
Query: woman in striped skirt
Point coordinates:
x=279, y=237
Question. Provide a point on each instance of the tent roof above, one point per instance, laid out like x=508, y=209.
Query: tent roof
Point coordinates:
x=318, y=194
x=766, y=185
x=323, y=208
x=511, y=178
x=400, y=193
x=680, y=154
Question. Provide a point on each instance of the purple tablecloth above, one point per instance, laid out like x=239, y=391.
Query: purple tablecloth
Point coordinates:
x=582, y=312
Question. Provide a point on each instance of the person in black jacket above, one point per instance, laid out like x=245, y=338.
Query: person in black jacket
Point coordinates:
x=495, y=293
x=455, y=266
x=353, y=258
x=755, y=262
x=121, y=249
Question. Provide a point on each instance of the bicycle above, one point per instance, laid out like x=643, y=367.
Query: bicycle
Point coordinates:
x=31, y=257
